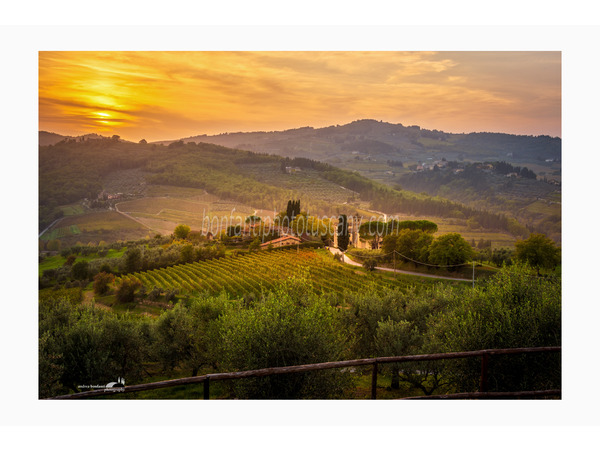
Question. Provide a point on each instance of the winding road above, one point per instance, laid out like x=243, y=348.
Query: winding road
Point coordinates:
x=50, y=226
x=346, y=259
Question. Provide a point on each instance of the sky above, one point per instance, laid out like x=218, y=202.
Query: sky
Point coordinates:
x=170, y=95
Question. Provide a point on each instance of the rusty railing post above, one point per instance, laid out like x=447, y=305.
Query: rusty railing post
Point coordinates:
x=483, y=382
x=207, y=388
x=374, y=382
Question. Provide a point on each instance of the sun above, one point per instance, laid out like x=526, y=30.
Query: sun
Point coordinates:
x=103, y=118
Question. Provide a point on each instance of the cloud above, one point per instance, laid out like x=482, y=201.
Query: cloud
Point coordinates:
x=161, y=93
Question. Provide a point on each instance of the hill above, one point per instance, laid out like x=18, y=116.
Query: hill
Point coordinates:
x=48, y=138
x=108, y=174
x=391, y=153
x=371, y=138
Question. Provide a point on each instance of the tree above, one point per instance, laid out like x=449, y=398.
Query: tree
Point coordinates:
x=290, y=326
x=70, y=260
x=368, y=230
x=143, y=141
x=511, y=310
x=342, y=233
x=414, y=244
x=396, y=339
x=187, y=253
x=79, y=270
x=370, y=264
x=185, y=336
x=292, y=210
x=255, y=244
x=234, y=230
x=181, y=231
x=100, y=347
x=450, y=250
x=126, y=290
x=252, y=220
x=102, y=281
x=133, y=260
x=538, y=251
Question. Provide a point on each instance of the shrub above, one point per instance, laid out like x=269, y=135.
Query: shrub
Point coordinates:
x=514, y=309
x=154, y=294
x=126, y=289
x=79, y=270
x=102, y=282
x=70, y=260
x=370, y=264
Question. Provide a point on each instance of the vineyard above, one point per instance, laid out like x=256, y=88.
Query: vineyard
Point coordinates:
x=254, y=272
x=61, y=232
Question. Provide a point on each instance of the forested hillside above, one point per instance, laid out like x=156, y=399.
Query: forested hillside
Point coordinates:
x=72, y=170
x=376, y=138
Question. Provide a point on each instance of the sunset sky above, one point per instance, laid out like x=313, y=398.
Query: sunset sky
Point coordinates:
x=169, y=95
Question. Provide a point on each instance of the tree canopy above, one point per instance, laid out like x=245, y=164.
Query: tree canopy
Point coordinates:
x=538, y=251
x=449, y=250
x=181, y=231
x=342, y=233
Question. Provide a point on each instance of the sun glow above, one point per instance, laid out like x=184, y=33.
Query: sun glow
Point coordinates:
x=167, y=95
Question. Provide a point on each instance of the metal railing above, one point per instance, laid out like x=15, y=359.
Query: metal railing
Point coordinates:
x=374, y=362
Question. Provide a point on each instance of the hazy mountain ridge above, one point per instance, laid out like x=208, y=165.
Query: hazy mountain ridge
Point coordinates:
x=371, y=137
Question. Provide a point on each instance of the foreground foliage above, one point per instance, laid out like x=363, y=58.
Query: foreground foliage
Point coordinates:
x=295, y=323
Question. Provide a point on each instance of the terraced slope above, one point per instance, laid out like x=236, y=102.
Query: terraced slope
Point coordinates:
x=251, y=273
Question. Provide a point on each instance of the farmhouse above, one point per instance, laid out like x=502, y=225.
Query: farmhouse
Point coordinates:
x=280, y=242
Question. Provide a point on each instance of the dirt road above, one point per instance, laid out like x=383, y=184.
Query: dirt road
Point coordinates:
x=348, y=260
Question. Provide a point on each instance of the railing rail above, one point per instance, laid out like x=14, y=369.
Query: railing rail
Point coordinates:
x=205, y=379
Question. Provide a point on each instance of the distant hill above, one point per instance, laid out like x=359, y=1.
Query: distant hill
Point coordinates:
x=48, y=138
x=368, y=138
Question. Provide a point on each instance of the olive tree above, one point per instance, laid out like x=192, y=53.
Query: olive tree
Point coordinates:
x=538, y=251
x=289, y=326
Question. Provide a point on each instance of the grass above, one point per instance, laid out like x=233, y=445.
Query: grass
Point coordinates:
x=462, y=272
x=104, y=220
x=541, y=207
x=72, y=210
x=192, y=194
x=218, y=389
x=154, y=205
x=109, y=226
x=163, y=214
x=434, y=143
x=135, y=307
x=54, y=262
x=61, y=232
x=362, y=388
x=307, y=181
x=359, y=390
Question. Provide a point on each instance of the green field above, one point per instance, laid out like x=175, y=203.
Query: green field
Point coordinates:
x=109, y=226
x=154, y=205
x=72, y=210
x=61, y=232
x=54, y=262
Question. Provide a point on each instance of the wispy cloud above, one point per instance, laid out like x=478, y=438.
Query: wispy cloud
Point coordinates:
x=159, y=95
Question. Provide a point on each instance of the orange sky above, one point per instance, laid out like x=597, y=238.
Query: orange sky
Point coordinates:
x=169, y=95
